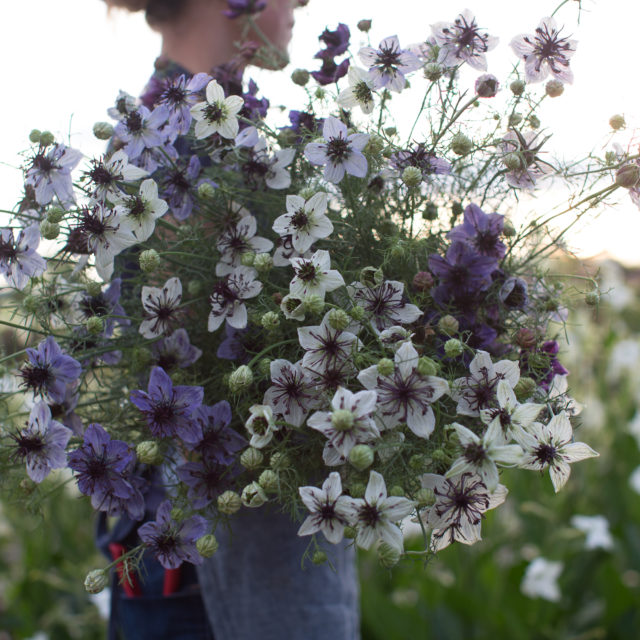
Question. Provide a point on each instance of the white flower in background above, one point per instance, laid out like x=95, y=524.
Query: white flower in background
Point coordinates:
x=106, y=174
x=634, y=480
x=313, y=276
x=394, y=337
x=261, y=425
x=478, y=390
x=405, y=395
x=550, y=446
x=305, y=221
x=596, y=529
x=229, y=294
x=291, y=394
x=623, y=360
x=375, y=515
x=541, y=580
x=238, y=239
x=160, y=307
x=558, y=389
x=457, y=513
x=141, y=211
x=349, y=423
x=359, y=93
x=615, y=291
x=217, y=114
x=330, y=510
x=634, y=427
x=480, y=455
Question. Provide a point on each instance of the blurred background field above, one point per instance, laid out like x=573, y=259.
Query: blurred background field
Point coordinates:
x=551, y=566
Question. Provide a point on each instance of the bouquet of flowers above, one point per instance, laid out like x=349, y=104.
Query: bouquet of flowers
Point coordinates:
x=332, y=316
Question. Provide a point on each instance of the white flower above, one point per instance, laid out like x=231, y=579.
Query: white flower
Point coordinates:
x=376, y=514
x=141, y=211
x=305, y=222
x=105, y=175
x=359, y=92
x=229, y=294
x=551, y=446
x=477, y=391
x=238, y=239
x=349, y=423
x=217, y=114
x=405, y=395
x=160, y=307
x=596, y=529
x=388, y=64
x=541, y=580
x=634, y=480
x=291, y=394
x=394, y=337
x=329, y=509
x=313, y=276
x=261, y=425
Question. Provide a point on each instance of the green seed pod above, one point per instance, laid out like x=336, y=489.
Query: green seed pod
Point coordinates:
x=264, y=366
x=251, y=458
x=206, y=191
x=534, y=121
x=364, y=25
x=96, y=581
x=268, y=480
x=433, y=71
x=617, y=122
x=300, y=77
x=280, y=461
x=628, y=176
x=46, y=138
x=525, y=388
x=34, y=136
x=388, y=556
x=418, y=462
x=412, y=177
x=508, y=229
x=149, y=261
x=361, y=456
x=240, y=379
x=194, y=287
x=385, y=367
x=263, y=262
x=448, y=325
x=229, y=502
x=357, y=313
x=350, y=532
x=338, y=319
x=453, y=348
x=512, y=161
x=49, y=230
x=94, y=325
x=148, y=452
x=554, y=88
x=592, y=298
x=103, y=130
x=427, y=366
x=207, y=545
x=517, y=87
x=55, y=214
x=313, y=304
x=396, y=491
x=461, y=144
x=31, y=303
x=515, y=119
x=319, y=557
x=270, y=320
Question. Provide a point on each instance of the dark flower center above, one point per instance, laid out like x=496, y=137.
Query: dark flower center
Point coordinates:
x=43, y=163
x=136, y=206
x=327, y=512
x=95, y=306
x=134, y=122
x=307, y=272
x=167, y=360
x=222, y=293
x=299, y=219
x=174, y=95
x=337, y=149
x=101, y=175
x=164, y=412
x=7, y=251
x=388, y=58
x=260, y=426
x=475, y=453
x=178, y=180
x=546, y=453
x=27, y=444
x=369, y=514
x=213, y=113
x=96, y=468
x=37, y=377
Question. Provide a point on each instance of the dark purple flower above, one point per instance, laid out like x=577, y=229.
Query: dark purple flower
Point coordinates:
x=49, y=370
x=219, y=441
x=104, y=470
x=41, y=443
x=239, y=8
x=178, y=186
x=50, y=173
x=481, y=231
x=487, y=86
x=19, y=260
x=141, y=129
x=330, y=72
x=167, y=409
x=337, y=41
x=179, y=95
x=173, y=542
x=254, y=108
x=64, y=411
x=175, y=351
x=206, y=481
x=513, y=293
x=420, y=158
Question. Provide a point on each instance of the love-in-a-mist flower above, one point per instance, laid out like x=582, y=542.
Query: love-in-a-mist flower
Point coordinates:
x=50, y=173
x=142, y=129
x=238, y=239
x=482, y=231
x=173, y=542
x=524, y=159
x=418, y=156
x=340, y=153
x=106, y=175
x=161, y=305
x=238, y=8
x=41, y=443
x=261, y=425
x=261, y=167
x=168, y=409
x=19, y=260
x=478, y=390
x=405, y=395
x=305, y=221
x=463, y=41
x=228, y=296
x=596, y=529
x=217, y=114
x=179, y=184
x=330, y=510
x=105, y=305
x=544, y=52
x=291, y=394
x=175, y=351
x=551, y=446
x=360, y=92
x=389, y=64
x=179, y=94
x=219, y=442
x=313, y=275
x=375, y=515
x=350, y=422
x=541, y=580
x=206, y=480
x=140, y=211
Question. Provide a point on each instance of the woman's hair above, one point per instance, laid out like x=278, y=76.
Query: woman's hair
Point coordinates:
x=155, y=10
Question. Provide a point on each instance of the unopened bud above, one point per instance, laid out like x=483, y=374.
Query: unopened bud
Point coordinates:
x=140, y=358
x=430, y=211
x=320, y=93
x=388, y=556
x=385, y=367
x=96, y=581
x=512, y=161
x=508, y=229
x=412, y=177
x=251, y=458
x=456, y=208
x=207, y=545
x=391, y=131
x=263, y=262
x=229, y=502
x=396, y=491
x=313, y=303
x=103, y=130
x=418, y=462
x=268, y=480
x=350, y=532
x=49, y=230
x=148, y=452
x=592, y=298
x=628, y=176
x=422, y=281
x=371, y=276
x=364, y=25
x=194, y=287
x=517, y=87
x=31, y=303
x=177, y=514
x=240, y=379
x=149, y=261
x=448, y=325
x=554, y=88
x=357, y=489
x=534, y=121
x=525, y=338
x=617, y=122
x=487, y=86
x=247, y=259
x=338, y=319
x=357, y=313
x=425, y=497
x=279, y=461
x=453, y=348
x=525, y=388
x=46, y=138
x=375, y=145
x=427, y=367
x=433, y=71
x=342, y=420
x=264, y=366
x=270, y=320
x=253, y=496
x=461, y=144
x=300, y=77
x=94, y=325
x=361, y=456
x=34, y=136
x=55, y=214
x=515, y=119
x=319, y=557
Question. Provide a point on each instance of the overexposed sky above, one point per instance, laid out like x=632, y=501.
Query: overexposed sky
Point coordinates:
x=65, y=60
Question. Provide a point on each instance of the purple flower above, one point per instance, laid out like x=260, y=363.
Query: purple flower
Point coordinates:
x=19, y=260
x=337, y=42
x=420, y=158
x=105, y=305
x=389, y=64
x=340, y=153
x=41, y=443
x=547, y=366
x=463, y=41
x=64, y=411
x=219, y=441
x=487, y=86
x=239, y=8
x=206, y=481
x=513, y=293
x=179, y=95
x=545, y=52
x=304, y=123
x=168, y=410
x=141, y=129
x=173, y=542
x=104, y=470
x=254, y=108
x=175, y=351
x=522, y=157
x=330, y=72
x=232, y=347
x=179, y=184
x=481, y=231
x=49, y=370
x=50, y=174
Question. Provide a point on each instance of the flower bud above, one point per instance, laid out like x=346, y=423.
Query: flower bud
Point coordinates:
x=512, y=161
x=412, y=177
x=425, y=497
x=487, y=86
x=517, y=87
x=49, y=230
x=313, y=304
x=391, y=131
x=264, y=366
x=229, y=502
x=534, y=121
x=96, y=581
x=515, y=119
x=430, y=211
x=388, y=556
x=350, y=532
x=448, y=325
x=280, y=461
x=374, y=145
x=251, y=458
x=207, y=545
x=307, y=192
x=439, y=456
x=338, y=319
x=206, y=190
x=148, y=452
x=364, y=25
x=320, y=93
x=592, y=298
x=103, y=130
x=27, y=486
x=427, y=367
x=240, y=379
x=253, y=496
x=194, y=287
x=149, y=261
x=319, y=557
x=433, y=71
x=385, y=367
x=342, y=420
x=46, y=138
x=292, y=307
x=361, y=456
x=248, y=258
x=456, y=209
x=94, y=325
x=628, y=175
x=34, y=136
x=422, y=281
x=525, y=338
x=268, y=480
x=554, y=88
x=371, y=276
x=461, y=144
x=396, y=491
x=263, y=262
x=525, y=388
x=55, y=214
x=617, y=122
x=300, y=77
x=453, y=348
x=357, y=313
x=177, y=514
x=270, y=320
x=31, y=303
x=508, y=229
